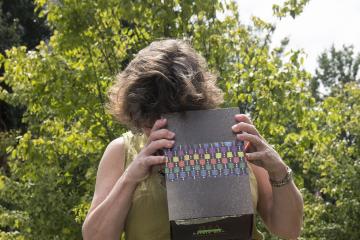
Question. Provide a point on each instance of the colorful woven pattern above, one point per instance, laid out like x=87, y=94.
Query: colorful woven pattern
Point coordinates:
x=205, y=160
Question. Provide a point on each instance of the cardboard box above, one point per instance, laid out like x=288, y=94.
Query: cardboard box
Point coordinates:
x=207, y=178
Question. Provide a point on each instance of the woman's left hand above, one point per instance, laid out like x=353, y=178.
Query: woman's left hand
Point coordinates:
x=260, y=152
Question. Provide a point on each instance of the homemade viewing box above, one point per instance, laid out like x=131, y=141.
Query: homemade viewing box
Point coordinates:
x=207, y=178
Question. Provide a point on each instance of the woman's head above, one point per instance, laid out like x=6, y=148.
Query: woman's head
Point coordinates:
x=167, y=76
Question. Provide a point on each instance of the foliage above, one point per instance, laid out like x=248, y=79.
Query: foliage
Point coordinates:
x=332, y=166
x=20, y=24
x=62, y=85
x=336, y=68
x=290, y=7
x=9, y=32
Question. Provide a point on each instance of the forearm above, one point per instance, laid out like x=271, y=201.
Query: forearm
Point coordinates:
x=286, y=211
x=107, y=220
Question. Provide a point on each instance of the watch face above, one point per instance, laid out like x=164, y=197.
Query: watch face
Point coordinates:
x=284, y=181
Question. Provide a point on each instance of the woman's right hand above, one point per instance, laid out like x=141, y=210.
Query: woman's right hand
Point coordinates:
x=158, y=139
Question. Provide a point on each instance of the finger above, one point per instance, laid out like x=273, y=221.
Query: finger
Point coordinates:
x=154, y=160
x=255, y=156
x=156, y=145
x=249, y=147
x=160, y=134
x=158, y=124
x=243, y=118
x=245, y=127
x=253, y=139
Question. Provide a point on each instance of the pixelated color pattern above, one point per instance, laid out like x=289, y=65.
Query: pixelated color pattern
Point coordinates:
x=205, y=160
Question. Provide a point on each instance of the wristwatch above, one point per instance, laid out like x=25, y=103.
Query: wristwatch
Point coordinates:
x=288, y=177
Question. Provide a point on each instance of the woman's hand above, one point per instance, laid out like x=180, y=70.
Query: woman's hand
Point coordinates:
x=158, y=139
x=281, y=208
x=260, y=152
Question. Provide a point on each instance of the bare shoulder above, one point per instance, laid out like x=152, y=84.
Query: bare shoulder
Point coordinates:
x=113, y=155
x=110, y=169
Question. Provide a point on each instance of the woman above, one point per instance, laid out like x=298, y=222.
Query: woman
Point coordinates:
x=169, y=76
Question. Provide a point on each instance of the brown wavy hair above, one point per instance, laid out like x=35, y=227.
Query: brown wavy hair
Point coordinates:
x=167, y=76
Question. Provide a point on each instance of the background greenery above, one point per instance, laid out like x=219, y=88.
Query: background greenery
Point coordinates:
x=59, y=57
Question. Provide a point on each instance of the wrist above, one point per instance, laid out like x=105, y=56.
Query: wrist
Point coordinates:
x=279, y=172
x=132, y=177
x=284, y=181
x=129, y=179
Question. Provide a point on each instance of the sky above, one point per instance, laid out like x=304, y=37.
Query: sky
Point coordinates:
x=322, y=24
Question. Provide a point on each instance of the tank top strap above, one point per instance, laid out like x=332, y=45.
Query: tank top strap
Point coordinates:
x=127, y=143
x=133, y=145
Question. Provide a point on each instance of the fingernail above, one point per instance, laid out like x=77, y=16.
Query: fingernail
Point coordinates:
x=163, y=120
x=233, y=127
x=170, y=144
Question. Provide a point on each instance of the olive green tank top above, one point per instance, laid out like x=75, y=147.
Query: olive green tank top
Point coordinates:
x=148, y=217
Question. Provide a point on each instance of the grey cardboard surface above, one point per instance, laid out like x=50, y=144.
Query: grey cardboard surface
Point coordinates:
x=202, y=126
x=208, y=197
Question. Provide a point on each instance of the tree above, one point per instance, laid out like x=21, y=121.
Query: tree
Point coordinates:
x=19, y=25
x=336, y=68
x=333, y=163
x=63, y=82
